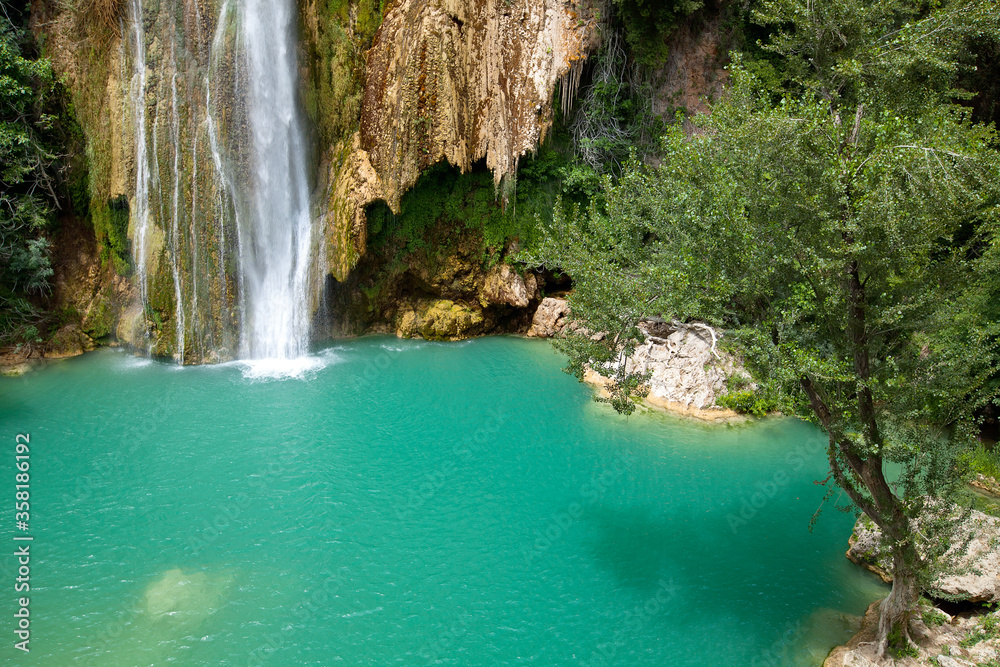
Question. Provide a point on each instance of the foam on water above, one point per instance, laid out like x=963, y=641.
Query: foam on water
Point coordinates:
x=131, y=362
x=277, y=368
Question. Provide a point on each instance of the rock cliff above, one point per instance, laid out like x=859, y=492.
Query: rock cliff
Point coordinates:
x=153, y=84
x=449, y=80
x=152, y=87
x=393, y=90
x=974, y=572
x=687, y=372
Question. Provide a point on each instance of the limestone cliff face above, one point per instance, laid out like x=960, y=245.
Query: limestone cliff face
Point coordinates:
x=462, y=81
x=454, y=80
x=88, y=55
x=694, y=71
x=152, y=89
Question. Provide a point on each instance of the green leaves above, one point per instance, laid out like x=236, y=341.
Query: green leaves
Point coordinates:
x=27, y=177
x=900, y=54
x=762, y=218
x=648, y=22
x=843, y=231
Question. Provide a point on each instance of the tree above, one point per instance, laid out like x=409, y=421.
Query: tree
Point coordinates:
x=28, y=181
x=841, y=229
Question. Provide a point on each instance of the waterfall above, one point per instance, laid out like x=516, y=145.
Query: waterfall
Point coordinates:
x=275, y=241
x=221, y=225
x=175, y=252
x=137, y=98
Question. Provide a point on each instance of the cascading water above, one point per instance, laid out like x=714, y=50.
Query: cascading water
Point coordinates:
x=137, y=98
x=275, y=242
x=222, y=249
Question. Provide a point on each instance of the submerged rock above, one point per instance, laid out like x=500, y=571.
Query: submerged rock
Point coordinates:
x=183, y=596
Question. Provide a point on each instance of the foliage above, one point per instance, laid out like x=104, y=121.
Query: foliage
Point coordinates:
x=983, y=76
x=740, y=401
x=983, y=460
x=932, y=617
x=29, y=177
x=987, y=629
x=844, y=234
x=647, y=23
x=111, y=229
x=614, y=116
x=901, y=54
x=746, y=402
x=443, y=196
x=899, y=644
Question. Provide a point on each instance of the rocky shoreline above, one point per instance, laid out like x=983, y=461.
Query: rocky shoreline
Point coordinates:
x=962, y=640
x=688, y=373
x=965, y=638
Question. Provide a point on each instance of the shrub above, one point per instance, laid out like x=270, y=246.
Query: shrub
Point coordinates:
x=988, y=628
x=740, y=401
x=984, y=460
x=900, y=646
x=747, y=402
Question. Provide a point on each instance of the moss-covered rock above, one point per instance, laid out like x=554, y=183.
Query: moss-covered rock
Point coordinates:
x=101, y=317
x=439, y=320
x=68, y=341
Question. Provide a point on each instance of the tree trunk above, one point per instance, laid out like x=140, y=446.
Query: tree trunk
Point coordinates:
x=895, y=610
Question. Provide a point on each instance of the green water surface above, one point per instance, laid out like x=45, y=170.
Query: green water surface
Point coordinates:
x=410, y=503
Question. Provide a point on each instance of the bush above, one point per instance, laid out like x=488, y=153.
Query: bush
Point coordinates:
x=932, y=618
x=984, y=460
x=988, y=628
x=746, y=402
x=469, y=202
x=900, y=646
x=29, y=176
x=740, y=401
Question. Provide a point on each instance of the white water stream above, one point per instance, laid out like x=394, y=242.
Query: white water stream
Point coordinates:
x=274, y=242
x=260, y=173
